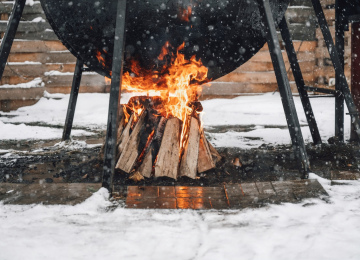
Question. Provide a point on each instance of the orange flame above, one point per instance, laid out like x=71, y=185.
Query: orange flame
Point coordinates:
x=185, y=14
x=100, y=58
x=178, y=84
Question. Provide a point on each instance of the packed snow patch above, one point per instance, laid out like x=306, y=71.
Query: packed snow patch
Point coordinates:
x=23, y=132
x=313, y=229
x=35, y=83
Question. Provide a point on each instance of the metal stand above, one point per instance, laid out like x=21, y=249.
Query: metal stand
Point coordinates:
x=300, y=84
x=115, y=95
x=340, y=25
x=343, y=86
x=284, y=88
x=73, y=99
x=9, y=36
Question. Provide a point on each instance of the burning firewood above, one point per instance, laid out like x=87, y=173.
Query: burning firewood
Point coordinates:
x=161, y=136
x=205, y=160
x=167, y=162
x=130, y=152
x=189, y=160
x=151, y=144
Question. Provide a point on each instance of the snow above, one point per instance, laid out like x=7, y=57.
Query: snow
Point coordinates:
x=26, y=132
x=263, y=114
x=326, y=228
x=35, y=83
x=313, y=229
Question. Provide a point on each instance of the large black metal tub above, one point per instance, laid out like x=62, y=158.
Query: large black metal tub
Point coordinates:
x=224, y=34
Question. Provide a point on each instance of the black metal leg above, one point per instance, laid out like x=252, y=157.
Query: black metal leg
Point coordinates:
x=9, y=36
x=339, y=71
x=284, y=87
x=73, y=99
x=285, y=33
x=115, y=95
x=339, y=42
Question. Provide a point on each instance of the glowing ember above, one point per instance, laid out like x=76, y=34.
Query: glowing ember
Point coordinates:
x=185, y=14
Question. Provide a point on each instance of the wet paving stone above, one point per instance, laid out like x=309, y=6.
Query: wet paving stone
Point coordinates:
x=229, y=196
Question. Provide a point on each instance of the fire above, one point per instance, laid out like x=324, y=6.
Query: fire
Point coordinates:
x=100, y=58
x=178, y=83
x=185, y=14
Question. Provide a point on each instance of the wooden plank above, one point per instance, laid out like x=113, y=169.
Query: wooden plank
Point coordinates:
x=27, y=26
x=7, y=6
x=35, y=70
x=167, y=162
x=51, y=57
x=24, y=93
x=37, y=46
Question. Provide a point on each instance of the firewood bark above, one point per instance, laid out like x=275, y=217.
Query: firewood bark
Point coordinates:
x=205, y=160
x=167, y=163
x=145, y=168
x=130, y=151
x=215, y=154
x=121, y=124
x=189, y=160
x=124, y=138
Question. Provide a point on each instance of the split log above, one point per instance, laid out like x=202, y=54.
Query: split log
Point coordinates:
x=215, y=155
x=130, y=152
x=189, y=160
x=205, y=160
x=167, y=163
x=124, y=138
x=145, y=168
x=121, y=124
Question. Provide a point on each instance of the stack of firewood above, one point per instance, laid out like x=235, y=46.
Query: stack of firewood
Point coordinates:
x=149, y=143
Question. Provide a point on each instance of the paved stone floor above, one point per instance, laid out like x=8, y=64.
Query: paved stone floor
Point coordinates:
x=229, y=196
x=47, y=193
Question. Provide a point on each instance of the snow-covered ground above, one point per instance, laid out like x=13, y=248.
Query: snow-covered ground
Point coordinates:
x=314, y=229
x=263, y=112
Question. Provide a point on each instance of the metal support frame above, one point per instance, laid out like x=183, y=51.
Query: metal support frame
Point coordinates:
x=9, y=36
x=284, y=87
x=343, y=86
x=115, y=95
x=340, y=24
x=285, y=33
x=73, y=99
